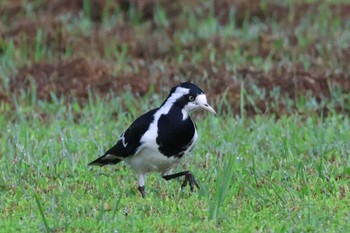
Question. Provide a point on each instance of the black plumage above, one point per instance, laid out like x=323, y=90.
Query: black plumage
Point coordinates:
x=174, y=134
x=132, y=136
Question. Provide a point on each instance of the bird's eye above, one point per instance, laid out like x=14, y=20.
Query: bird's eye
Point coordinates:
x=191, y=98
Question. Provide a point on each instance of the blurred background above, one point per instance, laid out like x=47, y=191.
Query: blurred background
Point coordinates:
x=251, y=56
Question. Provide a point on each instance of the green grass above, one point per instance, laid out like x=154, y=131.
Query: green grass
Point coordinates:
x=257, y=174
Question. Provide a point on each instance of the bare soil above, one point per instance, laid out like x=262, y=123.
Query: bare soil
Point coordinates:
x=77, y=76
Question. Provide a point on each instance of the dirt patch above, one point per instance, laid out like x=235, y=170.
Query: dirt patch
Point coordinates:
x=153, y=51
x=267, y=91
x=57, y=22
x=251, y=9
x=73, y=78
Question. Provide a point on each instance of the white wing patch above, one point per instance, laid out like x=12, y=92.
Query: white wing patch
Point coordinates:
x=149, y=138
x=109, y=157
x=122, y=137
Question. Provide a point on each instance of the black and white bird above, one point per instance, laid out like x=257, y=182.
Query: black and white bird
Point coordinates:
x=158, y=140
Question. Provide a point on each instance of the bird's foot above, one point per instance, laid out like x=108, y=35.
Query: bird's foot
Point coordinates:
x=189, y=179
x=142, y=191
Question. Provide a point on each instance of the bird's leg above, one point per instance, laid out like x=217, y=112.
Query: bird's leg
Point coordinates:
x=189, y=179
x=141, y=187
x=142, y=191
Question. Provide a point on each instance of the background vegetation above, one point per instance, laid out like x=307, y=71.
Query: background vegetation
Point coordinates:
x=73, y=74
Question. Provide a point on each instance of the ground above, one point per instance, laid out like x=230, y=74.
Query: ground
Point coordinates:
x=153, y=50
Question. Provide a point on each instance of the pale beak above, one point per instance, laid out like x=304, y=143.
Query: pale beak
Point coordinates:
x=208, y=108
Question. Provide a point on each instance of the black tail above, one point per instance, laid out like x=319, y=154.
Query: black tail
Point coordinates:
x=105, y=160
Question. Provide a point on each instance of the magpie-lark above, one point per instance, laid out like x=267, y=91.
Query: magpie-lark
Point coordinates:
x=157, y=140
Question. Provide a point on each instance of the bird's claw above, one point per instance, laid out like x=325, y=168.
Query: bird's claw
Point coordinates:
x=189, y=179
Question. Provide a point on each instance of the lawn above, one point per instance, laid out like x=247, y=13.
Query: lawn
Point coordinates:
x=274, y=159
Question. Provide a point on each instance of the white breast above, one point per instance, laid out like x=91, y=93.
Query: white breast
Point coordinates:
x=151, y=160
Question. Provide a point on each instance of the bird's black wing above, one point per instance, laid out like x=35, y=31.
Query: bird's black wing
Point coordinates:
x=128, y=142
x=175, y=135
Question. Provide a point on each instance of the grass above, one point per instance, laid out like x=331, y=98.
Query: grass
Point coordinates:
x=257, y=173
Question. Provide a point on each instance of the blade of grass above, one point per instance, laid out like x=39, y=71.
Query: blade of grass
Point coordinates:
x=116, y=206
x=222, y=186
x=47, y=228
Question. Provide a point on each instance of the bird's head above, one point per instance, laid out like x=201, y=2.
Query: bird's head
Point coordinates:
x=189, y=97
